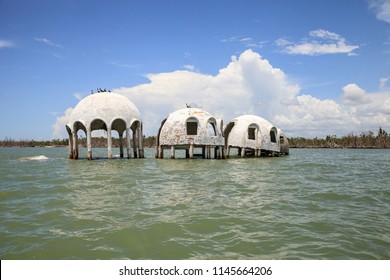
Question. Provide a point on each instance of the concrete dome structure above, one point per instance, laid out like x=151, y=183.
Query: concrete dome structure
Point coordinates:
x=108, y=111
x=253, y=135
x=190, y=129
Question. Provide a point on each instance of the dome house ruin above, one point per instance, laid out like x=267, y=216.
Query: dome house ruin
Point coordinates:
x=193, y=130
x=254, y=136
x=108, y=111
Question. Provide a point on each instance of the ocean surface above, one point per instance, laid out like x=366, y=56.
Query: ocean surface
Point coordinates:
x=312, y=204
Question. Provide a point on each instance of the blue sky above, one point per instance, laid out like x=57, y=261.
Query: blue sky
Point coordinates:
x=312, y=67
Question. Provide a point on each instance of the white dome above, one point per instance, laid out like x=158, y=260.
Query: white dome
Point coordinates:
x=205, y=128
x=254, y=132
x=102, y=110
x=242, y=122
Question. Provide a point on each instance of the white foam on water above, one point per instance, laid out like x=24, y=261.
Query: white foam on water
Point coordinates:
x=37, y=158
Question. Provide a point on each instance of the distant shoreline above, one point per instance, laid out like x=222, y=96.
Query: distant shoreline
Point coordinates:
x=153, y=147
x=366, y=140
x=320, y=147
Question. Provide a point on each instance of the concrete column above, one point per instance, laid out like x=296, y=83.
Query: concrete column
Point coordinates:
x=89, y=144
x=135, y=148
x=128, y=143
x=219, y=152
x=75, y=146
x=109, y=143
x=191, y=150
x=172, y=152
x=70, y=144
x=222, y=152
x=257, y=142
x=208, y=152
x=160, y=152
x=120, y=144
x=242, y=152
x=141, y=141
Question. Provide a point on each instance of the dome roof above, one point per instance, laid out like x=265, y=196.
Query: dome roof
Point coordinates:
x=237, y=133
x=183, y=114
x=206, y=130
x=102, y=110
x=242, y=122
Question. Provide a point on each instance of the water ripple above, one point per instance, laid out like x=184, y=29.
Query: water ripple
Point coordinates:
x=313, y=204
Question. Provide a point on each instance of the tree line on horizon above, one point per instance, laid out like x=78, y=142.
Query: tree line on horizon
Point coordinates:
x=96, y=142
x=364, y=140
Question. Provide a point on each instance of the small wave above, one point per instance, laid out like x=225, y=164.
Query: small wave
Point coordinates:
x=38, y=158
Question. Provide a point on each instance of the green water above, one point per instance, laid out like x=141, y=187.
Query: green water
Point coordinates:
x=313, y=204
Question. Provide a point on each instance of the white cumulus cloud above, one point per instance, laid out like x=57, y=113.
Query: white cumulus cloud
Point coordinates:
x=58, y=128
x=354, y=95
x=249, y=84
x=321, y=42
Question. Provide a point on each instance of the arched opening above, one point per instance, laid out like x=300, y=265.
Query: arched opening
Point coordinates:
x=75, y=137
x=79, y=126
x=272, y=135
x=98, y=124
x=97, y=137
x=159, y=131
x=211, y=127
x=118, y=125
x=98, y=133
x=160, y=150
x=253, y=130
x=227, y=131
x=192, y=126
x=138, y=136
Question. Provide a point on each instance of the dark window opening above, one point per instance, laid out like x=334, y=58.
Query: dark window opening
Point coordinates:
x=281, y=140
x=251, y=133
x=273, y=136
x=192, y=128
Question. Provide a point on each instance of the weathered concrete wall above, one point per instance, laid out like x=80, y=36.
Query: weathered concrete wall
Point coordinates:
x=174, y=129
x=252, y=132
